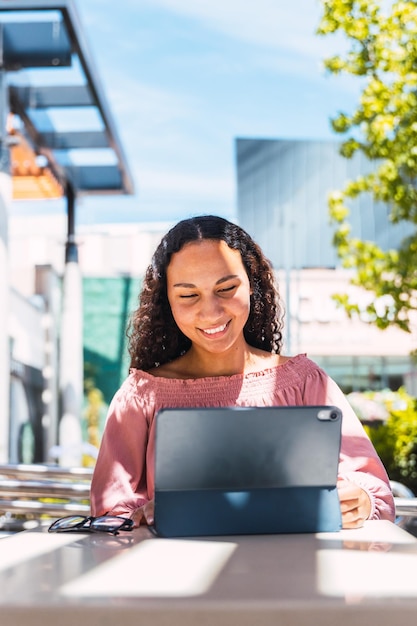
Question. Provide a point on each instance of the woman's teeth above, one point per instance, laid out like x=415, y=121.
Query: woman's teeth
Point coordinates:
x=213, y=331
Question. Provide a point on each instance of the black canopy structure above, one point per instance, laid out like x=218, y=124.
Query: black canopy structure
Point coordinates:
x=47, y=35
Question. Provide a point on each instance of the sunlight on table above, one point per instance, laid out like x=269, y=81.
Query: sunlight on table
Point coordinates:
x=157, y=568
x=371, y=563
x=21, y=547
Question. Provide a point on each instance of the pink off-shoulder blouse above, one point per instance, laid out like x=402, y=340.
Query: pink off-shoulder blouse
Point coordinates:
x=123, y=478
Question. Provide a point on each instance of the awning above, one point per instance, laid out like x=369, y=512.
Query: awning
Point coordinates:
x=58, y=109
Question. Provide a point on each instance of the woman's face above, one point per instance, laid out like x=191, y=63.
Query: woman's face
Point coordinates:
x=209, y=294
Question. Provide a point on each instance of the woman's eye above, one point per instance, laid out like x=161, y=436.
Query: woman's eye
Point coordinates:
x=188, y=295
x=227, y=289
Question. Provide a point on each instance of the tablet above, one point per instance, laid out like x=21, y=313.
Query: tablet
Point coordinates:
x=233, y=471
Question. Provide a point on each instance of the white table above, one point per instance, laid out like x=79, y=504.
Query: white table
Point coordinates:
x=357, y=577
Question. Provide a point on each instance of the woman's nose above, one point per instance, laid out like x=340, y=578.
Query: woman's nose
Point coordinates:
x=210, y=309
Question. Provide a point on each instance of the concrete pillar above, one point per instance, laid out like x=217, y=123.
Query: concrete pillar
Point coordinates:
x=5, y=194
x=71, y=350
x=5, y=197
x=48, y=285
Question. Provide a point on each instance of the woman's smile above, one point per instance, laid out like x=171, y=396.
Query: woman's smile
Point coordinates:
x=215, y=331
x=209, y=294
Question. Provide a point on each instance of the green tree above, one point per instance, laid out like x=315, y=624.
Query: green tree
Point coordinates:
x=394, y=438
x=381, y=51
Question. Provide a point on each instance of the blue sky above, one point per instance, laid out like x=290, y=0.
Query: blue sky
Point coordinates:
x=184, y=78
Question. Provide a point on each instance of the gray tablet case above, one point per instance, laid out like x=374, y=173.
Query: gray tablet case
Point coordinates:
x=233, y=471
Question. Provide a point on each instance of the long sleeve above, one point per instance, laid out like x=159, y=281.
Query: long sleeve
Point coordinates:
x=123, y=478
x=119, y=483
x=359, y=462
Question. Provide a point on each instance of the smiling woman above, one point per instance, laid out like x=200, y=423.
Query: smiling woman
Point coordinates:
x=204, y=262
x=210, y=306
x=207, y=333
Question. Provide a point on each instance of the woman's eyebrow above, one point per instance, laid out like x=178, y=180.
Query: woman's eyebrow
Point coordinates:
x=225, y=278
x=218, y=282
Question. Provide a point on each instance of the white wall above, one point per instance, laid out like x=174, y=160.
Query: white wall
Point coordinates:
x=319, y=327
x=27, y=329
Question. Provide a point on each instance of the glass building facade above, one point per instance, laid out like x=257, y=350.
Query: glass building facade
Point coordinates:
x=282, y=200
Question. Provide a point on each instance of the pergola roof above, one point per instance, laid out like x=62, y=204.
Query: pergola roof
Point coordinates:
x=67, y=122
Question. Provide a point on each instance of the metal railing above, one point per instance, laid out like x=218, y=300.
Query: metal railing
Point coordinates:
x=406, y=507
x=54, y=491
x=44, y=490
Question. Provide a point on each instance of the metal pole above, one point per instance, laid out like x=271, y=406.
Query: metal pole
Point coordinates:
x=287, y=248
x=71, y=348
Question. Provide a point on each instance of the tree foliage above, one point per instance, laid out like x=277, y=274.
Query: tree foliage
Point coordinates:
x=382, y=53
x=395, y=436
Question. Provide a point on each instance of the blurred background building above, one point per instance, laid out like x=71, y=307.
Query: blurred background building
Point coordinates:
x=282, y=188
x=48, y=77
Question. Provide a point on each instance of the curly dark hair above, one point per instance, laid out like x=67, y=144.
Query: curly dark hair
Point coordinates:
x=154, y=337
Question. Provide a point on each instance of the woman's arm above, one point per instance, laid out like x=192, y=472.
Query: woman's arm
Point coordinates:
x=119, y=483
x=359, y=463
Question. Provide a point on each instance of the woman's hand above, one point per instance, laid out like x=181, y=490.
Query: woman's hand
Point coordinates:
x=354, y=504
x=144, y=515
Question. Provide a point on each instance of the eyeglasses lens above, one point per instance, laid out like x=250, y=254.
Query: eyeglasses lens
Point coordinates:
x=111, y=523
x=105, y=523
x=66, y=523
